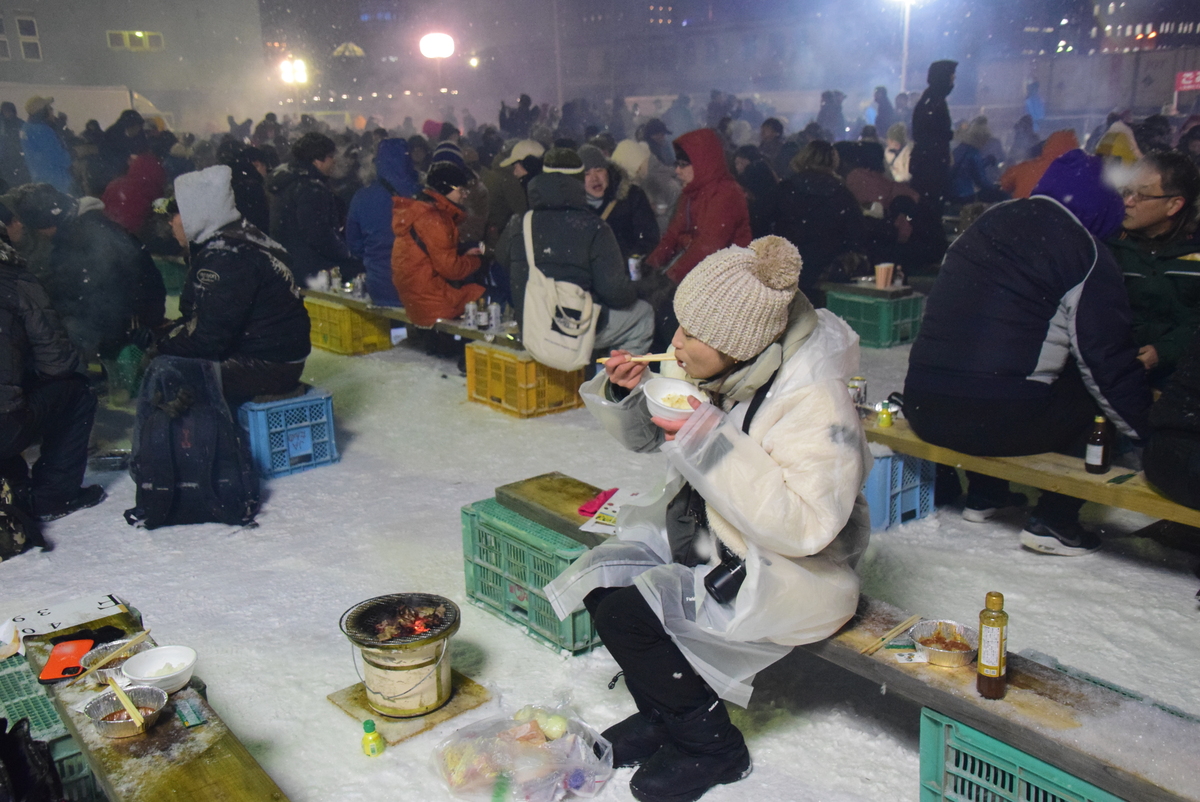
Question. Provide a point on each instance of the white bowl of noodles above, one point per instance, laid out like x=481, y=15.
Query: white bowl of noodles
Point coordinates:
x=668, y=398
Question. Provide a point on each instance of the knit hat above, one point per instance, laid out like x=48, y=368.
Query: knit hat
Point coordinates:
x=445, y=177
x=526, y=147
x=448, y=152
x=42, y=206
x=737, y=299
x=592, y=157
x=1076, y=180
x=630, y=155
x=562, y=160
x=36, y=103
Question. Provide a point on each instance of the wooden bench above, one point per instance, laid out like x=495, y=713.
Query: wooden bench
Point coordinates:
x=1127, y=747
x=1057, y=473
x=398, y=315
x=201, y=764
x=1081, y=727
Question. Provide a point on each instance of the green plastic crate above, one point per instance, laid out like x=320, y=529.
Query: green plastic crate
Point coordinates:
x=880, y=322
x=21, y=696
x=961, y=764
x=507, y=560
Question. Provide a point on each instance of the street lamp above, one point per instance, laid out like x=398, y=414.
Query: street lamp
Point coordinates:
x=294, y=73
x=908, y=4
x=437, y=46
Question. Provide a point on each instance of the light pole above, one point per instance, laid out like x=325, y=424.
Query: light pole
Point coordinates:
x=908, y=4
x=437, y=46
x=294, y=73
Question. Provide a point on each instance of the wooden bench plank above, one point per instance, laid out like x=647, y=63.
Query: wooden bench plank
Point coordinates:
x=397, y=314
x=202, y=764
x=1054, y=472
x=1045, y=714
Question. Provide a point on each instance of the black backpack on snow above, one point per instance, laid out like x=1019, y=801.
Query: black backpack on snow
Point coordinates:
x=190, y=462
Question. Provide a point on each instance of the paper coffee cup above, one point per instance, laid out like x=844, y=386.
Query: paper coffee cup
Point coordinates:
x=883, y=275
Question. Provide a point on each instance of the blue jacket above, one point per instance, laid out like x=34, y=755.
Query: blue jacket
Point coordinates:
x=1023, y=291
x=369, y=223
x=47, y=158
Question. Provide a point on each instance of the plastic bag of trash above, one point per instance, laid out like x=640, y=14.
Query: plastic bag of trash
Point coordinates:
x=539, y=754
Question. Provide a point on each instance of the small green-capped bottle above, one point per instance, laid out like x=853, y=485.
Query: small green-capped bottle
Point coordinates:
x=372, y=742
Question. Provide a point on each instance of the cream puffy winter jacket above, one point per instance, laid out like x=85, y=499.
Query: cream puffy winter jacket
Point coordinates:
x=786, y=497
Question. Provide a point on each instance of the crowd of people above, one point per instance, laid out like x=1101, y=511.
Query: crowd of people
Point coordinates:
x=1071, y=290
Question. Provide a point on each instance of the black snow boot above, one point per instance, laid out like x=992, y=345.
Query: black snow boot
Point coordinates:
x=703, y=749
x=637, y=738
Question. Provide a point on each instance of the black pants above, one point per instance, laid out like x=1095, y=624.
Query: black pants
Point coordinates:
x=60, y=413
x=243, y=378
x=986, y=427
x=656, y=672
x=1172, y=464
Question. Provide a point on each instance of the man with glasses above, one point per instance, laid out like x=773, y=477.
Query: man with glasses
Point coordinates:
x=1161, y=266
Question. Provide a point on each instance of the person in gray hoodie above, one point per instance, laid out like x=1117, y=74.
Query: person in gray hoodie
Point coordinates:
x=239, y=303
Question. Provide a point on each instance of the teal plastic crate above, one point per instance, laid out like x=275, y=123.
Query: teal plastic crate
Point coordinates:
x=507, y=560
x=899, y=489
x=21, y=696
x=961, y=764
x=880, y=322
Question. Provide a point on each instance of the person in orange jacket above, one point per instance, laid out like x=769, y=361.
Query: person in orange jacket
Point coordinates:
x=1020, y=179
x=426, y=264
x=711, y=214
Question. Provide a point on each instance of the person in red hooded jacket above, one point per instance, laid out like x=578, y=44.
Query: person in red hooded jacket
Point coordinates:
x=129, y=199
x=712, y=213
x=425, y=257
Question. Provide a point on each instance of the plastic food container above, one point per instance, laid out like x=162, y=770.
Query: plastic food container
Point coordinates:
x=951, y=630
x=143, y=696
x=657, y=389
x=146, y=668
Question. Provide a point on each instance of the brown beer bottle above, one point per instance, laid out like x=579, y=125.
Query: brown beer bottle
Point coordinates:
x=991, y=664
x=1099, y=453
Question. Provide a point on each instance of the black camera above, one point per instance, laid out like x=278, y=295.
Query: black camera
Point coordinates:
x=724, y=581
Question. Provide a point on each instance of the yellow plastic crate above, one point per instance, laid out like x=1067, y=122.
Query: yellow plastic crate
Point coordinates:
x=344, y=330
x=511, y=381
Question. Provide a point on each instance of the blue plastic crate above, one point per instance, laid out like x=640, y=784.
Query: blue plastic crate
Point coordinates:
x=22, y=697
x=899, y=489
x=292, y=435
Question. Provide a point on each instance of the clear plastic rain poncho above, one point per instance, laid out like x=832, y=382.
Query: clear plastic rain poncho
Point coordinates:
x=786, y=498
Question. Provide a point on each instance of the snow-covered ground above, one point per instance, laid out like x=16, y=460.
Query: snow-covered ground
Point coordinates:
x=261, y=606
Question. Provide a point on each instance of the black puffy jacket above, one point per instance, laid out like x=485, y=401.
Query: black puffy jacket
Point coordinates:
x=1022, y=292
x=239, y=300
x=307, y=219
x=102, y=281
x=570, y=243
x=33, y=342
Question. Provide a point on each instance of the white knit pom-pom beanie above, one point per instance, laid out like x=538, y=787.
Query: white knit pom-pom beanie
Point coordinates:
x=737, y=299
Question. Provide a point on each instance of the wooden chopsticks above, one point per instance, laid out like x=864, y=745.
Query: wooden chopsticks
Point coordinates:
x=643, y=358
x=111, y=657
x=876, y=645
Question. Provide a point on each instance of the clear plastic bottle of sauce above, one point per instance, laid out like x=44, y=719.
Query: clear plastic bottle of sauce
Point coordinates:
x=992, y=678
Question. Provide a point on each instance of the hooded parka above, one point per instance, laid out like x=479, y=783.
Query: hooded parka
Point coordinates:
x=932, y=133
x=711, y=214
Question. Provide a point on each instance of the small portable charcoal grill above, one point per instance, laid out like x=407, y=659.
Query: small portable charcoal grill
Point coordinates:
x=360, y=622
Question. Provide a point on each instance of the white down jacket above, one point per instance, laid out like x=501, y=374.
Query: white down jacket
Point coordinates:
x=786, y=497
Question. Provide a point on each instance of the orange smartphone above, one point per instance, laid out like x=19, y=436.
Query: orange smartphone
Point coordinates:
x=64, y=661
